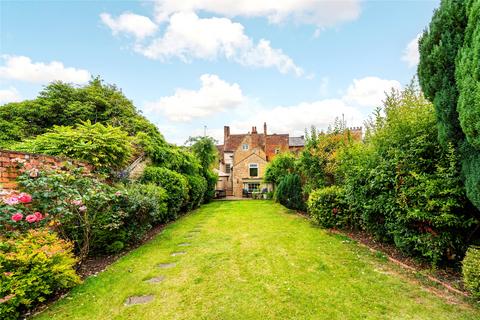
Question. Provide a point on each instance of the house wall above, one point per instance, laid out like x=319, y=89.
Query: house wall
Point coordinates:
x=242, y=159
x=12, y=163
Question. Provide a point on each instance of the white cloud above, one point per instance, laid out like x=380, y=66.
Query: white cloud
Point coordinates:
x=369, y=91
x=137, y=25
x=294, y=119
x=411, y=55
x=318, y=13
x=22, y=68
x=9, y=95
x=215, y=95
x=189, y=37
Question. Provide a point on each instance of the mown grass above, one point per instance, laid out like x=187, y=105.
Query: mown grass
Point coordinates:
x=254, y=260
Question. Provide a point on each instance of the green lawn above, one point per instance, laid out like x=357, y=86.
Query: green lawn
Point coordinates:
x=254, y=260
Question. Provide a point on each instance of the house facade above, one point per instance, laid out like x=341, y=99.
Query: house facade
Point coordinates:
x=244, y=158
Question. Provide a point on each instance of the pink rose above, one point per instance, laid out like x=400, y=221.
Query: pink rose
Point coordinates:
x=77, y=202
x=17, y=217
x=118, y=193
x=82, y=208
x=25, y=198
x=38, y=215
x=31, y=218
x=11, y=201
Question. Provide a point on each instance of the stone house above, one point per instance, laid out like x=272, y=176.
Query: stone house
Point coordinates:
x=243, y=158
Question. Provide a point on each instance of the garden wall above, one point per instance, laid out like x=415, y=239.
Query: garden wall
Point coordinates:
x=13, y=162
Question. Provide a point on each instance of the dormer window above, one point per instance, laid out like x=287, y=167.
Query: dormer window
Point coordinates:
x=245, y=146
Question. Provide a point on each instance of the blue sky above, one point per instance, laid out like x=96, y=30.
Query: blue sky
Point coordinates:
x=187, y=64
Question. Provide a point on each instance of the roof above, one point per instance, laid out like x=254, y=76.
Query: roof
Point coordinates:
x=232, y=142
x=296, y=141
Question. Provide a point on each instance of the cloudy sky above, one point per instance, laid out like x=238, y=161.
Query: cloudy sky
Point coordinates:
x=194, y=63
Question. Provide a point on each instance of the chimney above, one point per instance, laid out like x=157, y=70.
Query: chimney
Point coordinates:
x=254, y=130
x=265, y=129
x=226, y=133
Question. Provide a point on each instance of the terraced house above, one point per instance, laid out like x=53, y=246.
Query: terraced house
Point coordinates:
x=244, y=157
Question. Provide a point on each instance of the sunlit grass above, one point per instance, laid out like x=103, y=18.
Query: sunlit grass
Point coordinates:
x=254, y=260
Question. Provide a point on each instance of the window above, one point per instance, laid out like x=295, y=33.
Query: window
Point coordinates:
x=252, y=187
x=228, y=168
x=277, y=151
x=245, y=146
x=253, y=168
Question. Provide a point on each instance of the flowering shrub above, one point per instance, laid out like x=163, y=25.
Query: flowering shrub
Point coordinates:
x=33, y=266
x=17, y=213
x=96, y=217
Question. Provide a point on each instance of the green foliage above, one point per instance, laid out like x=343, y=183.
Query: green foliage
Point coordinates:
x=174, y=184
x=403, y=186
x=104, y=147
x=438, y=48
x=206, y=152
x=471, y=271
x=449, y=75
x=63, y=104
x=33, y=267
x=279, y=167
x=197, y=186
x=318, y=161
x=326, y=206
x=289, y=192
x=468, y=76
x=92, y=214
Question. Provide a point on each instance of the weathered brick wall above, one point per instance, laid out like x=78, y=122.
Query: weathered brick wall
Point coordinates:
x=13, y=162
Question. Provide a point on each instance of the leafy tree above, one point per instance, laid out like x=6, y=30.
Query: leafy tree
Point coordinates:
x=63, y=104
x=282, y=165
x=206, y=152
x=104, y=147
x=404, y=186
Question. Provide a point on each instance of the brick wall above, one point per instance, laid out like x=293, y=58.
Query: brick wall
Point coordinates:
x=13, y=162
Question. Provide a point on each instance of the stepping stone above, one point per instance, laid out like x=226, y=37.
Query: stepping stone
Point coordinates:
x=184, y=244
x=167, y=265
x=179, y=253
x=156, y=279
x=138, y=300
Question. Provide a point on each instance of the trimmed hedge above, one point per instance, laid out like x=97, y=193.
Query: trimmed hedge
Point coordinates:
x=471, y=271
x=175, y=184
x=327, y=207
x=289, y=192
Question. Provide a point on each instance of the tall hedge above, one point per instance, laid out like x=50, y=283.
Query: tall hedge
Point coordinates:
x=175, y=184
x=449, y=73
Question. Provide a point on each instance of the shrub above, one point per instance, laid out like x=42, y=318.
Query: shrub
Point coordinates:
x=105, y=147
x=197, y=186
x=471, y=271
x=279, y=167
x=289, y=192
x=33, y=266
x=327, y=207
x=97, y=217
x=174, y=184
